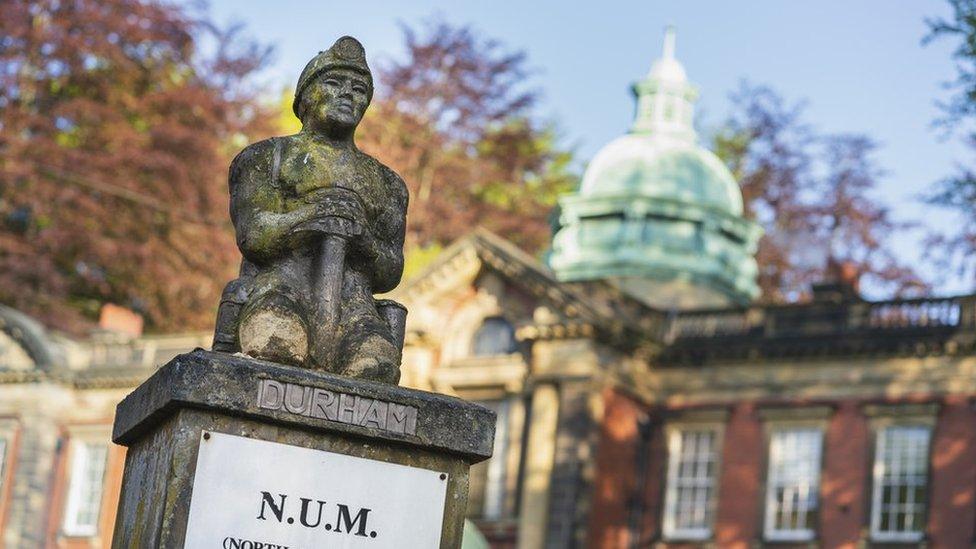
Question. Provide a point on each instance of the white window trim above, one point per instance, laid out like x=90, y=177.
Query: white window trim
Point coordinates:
x=496, y=482
x=769, y=509
x=4, y=459
x=8, y=437
x=673, y=432
x=784, y=418
x=883, y=419
x=79, y=436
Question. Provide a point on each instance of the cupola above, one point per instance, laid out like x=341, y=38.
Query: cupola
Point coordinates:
x=658, y=213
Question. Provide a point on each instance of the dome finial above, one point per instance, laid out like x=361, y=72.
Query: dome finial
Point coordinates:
x=668, y=42
x=665, y=98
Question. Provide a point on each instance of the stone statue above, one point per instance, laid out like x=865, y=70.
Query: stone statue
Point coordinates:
x=321, y=226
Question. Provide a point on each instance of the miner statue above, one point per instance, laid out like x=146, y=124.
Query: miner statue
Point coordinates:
x=320, y=225
x=305, y=364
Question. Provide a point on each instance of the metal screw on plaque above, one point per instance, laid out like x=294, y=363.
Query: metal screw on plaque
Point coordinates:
x=443, y=476
x=206, y=436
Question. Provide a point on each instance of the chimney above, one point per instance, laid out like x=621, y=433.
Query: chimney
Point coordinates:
x=841, y=283
x=119, y=320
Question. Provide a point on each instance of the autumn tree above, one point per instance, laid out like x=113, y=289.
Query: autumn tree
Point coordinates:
x=855, y=227
x=766, y=146
x=454, y=117
x=115, y=136
x=811, y=193
x=957, y=191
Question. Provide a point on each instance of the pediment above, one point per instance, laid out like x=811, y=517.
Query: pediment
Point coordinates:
x=484, y=265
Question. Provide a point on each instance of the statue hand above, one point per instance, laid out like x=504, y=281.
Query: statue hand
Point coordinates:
x=340, y=202
x=335, y=211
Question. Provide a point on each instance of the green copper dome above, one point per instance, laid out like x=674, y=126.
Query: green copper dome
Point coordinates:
x=657, y=212
x=639, y=164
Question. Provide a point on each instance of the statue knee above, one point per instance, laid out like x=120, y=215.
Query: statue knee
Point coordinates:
x=374, y=358
x=274, y=332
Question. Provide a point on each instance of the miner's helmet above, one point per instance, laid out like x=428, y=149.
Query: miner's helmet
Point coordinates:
x=346, y=53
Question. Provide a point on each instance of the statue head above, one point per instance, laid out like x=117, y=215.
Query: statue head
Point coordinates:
x=335, y=88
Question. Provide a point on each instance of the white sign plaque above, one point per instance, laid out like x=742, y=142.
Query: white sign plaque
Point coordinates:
x=254, y=494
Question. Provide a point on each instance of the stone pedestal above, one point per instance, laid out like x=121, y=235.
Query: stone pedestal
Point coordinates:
x=285, y=457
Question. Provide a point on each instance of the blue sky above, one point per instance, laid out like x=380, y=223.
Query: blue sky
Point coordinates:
x=859, y=65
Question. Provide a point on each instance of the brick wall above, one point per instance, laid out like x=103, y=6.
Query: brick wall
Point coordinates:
x=738, y=518
x=953, y=484
x=616, y=474
x=845, y=478
x=845, y=484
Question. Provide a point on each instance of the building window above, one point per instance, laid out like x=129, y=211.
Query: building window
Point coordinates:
x=900, y=479
x=496, y=336
x=487, y=480
x=85, y=484
x=692, y=472
x=8, y=434
x=793, y=484
x=3, y=465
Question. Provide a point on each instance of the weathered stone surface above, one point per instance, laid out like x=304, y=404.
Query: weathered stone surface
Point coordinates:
x=235, y=385
x=161, y=422
x=321, y=227
x=160, y=469
x=306, y=355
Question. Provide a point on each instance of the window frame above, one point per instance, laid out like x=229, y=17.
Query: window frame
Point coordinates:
x=68, y=526
x=699, y=420
x=498, y=489
x=496, y=479
x=882, y=417
x=10, y=434
x=771, y=508
x=486, y=323
x=4, y=452
x=779, y=419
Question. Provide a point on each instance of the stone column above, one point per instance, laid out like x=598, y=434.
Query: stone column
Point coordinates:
x=516, y=428
x=569, y=494
x=539, y=455
x=28, y=514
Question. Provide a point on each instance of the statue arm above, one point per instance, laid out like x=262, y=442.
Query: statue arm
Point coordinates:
x=385, y=245
x=264, y=232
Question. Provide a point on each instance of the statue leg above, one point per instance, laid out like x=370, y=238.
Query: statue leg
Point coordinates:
x=228, y=313
x=271, y=328
x=367, y=349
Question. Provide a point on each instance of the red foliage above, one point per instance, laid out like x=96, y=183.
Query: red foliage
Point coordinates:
x=455, y=120
x=812, y=195
x=115, y=136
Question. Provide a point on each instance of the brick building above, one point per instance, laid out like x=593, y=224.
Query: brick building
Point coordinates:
x=60, y=475
x=643, y=399
x=835, y=423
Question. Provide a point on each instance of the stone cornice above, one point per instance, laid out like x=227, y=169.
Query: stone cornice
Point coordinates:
x=829, y=379
x=561, y=330
x=820, y=331
x=22, y=376
x=506, y=372
x=926, y=411
x=110, y=379
x=737, y=350
x=790, y=414
x=718, y=415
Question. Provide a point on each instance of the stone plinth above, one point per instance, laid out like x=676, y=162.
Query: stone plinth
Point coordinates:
x=287, y=425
